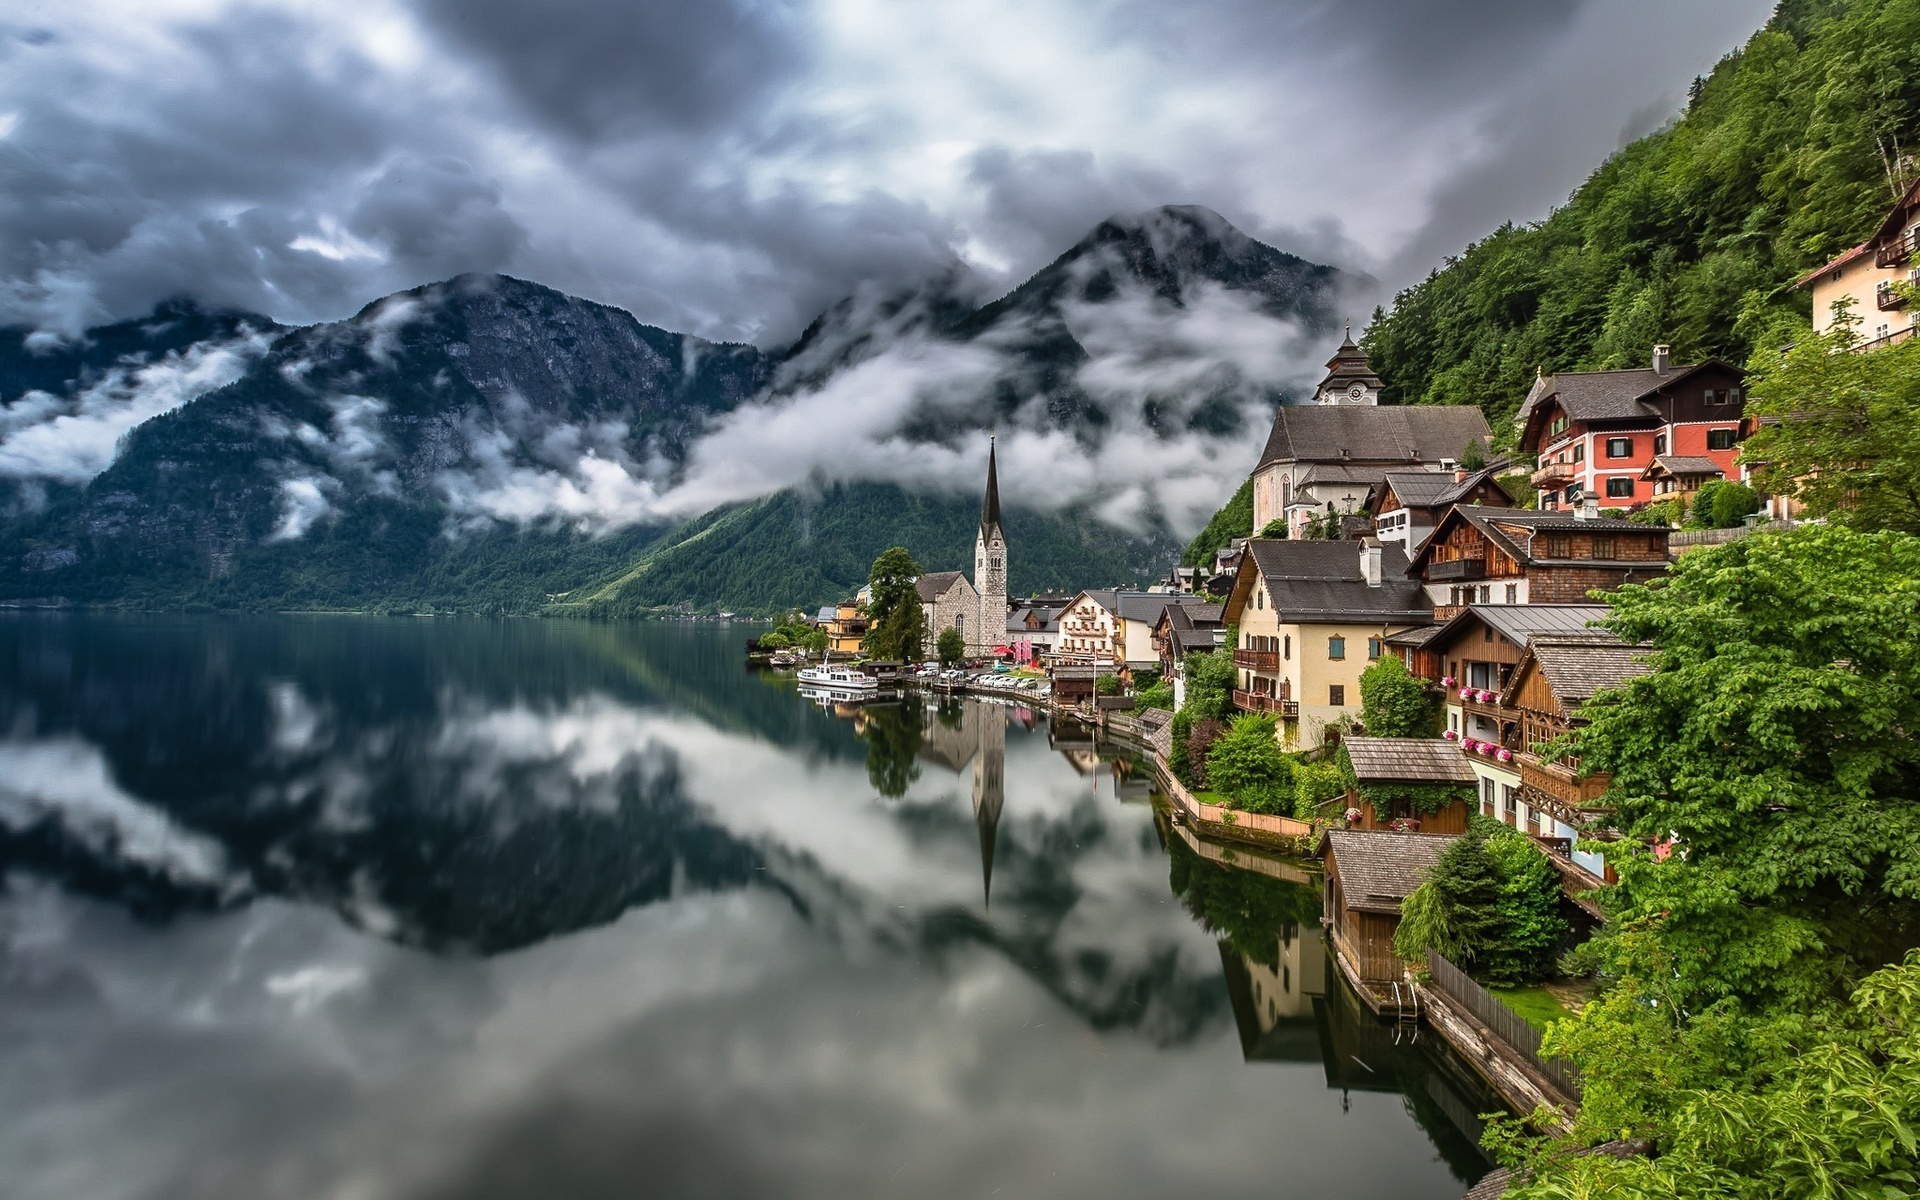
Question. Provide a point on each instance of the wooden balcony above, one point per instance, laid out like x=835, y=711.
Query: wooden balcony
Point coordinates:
x=1445, y=570
x=1256, y=702
x=1553, y=475
x=1560, y=784
x=1267, y=662
x=1897, y=252
x=1887, y=297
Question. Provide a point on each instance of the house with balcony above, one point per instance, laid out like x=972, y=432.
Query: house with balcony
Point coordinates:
x=1472, y=656
x=1592, y=434
x=1866, y=276
x=1185, y=629
x=1089, y=629
x=1406, y=505
x=846, y=628
x=1557, y=801
x=1312, y=615
x=1482, y=555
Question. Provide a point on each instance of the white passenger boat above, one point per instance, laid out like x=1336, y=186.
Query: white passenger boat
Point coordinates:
x=844, y=680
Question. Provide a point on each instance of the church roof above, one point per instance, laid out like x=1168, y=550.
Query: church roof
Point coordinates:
x=1364, y=433
x=934, y=584
x=990, y=508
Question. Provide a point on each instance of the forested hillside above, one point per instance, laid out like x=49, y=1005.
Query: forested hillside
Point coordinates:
x=1789, y=151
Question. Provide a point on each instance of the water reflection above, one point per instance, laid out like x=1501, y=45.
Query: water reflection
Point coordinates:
x=304, y=907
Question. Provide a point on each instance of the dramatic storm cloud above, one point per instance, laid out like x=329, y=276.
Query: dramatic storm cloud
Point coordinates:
x=731, y=168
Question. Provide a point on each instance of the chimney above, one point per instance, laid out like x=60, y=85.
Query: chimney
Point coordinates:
x=1589, y=509
x=1459, y=474
x=1370, y=561
x=1662, y=358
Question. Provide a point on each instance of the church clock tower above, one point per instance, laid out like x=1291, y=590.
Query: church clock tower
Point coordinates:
x=990, y=565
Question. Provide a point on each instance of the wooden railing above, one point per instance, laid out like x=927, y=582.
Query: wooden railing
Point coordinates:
x=1257, y=702
x=1265, y=661
x=1505, y=1024
x=1456, y=568
x=1896, y=252
x=1554, y=474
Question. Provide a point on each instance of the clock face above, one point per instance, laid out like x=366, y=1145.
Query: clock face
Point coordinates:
x=1357, y=391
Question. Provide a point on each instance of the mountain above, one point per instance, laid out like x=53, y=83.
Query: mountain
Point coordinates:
x=1789, y=151
x=490, y=444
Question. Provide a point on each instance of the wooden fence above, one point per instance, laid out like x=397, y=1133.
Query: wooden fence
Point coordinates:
x=1507, y=1025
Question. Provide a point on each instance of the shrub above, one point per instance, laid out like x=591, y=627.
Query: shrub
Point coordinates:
x=1315, y=783
x=1393, y=703
x=1199, y=742
x=1723, y=504
x=1107, y=685
x=951, y=646
x=1158, y=695
x=1247, y=765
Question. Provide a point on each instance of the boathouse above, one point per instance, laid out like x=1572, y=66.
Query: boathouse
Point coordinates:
x=1408, y=784
x=1368, y=873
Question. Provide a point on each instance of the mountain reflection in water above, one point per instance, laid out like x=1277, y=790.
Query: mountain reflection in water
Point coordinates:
x=392, y=907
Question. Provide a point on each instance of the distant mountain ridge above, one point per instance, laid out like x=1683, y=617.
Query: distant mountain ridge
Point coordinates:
x=490, y=444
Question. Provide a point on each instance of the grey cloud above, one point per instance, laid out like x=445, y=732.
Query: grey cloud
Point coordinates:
x=618, y=68
x=438, y=218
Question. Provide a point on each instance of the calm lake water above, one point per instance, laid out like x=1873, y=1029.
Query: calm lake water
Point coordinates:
x=367, y=908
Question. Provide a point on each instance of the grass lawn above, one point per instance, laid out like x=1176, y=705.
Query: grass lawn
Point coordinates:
x=1536, y=1005
x=1206, y=797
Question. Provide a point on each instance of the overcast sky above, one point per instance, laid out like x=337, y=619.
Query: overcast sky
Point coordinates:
x=729, y=167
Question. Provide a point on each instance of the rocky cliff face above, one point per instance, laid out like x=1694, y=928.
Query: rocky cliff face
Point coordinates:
x=489, y=443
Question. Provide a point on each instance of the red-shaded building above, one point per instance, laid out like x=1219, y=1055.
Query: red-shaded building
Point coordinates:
x=1595, y=433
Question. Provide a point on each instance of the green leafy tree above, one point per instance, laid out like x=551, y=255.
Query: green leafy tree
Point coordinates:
x=774, y=641
x=1314, y=784
x=1395, y=704
x=1424, y=923
x=1840, y=431
x=1773, y=739
x=1722, y=504
x=1107, y=685
x=951, y=646
x=1154, y=695
x=898, y=628
x=1276, y=528
x=1210, y=680
x=1247, y=765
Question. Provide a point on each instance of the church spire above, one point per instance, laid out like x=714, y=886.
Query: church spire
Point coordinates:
x=990, y=510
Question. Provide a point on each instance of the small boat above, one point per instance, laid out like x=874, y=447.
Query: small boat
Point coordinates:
x=839, y=679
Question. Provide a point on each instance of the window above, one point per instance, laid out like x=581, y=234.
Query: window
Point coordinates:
x=960, y=623
x=1513, y=593
x=1374, y=648
x=1337, y=694
x=1336, y=647
x=1620, y=485
x=1734, y=395
x=1559, y=547
x=1485, y=593
x=1506, y=798
x=1486, y=796
x=1720, y=439
x=1619, y=447
x=1259, y=599
x=1659, y=443
x=1580, y=452
x=1714, y=397
x=1482, y=675
x=1573, y=493
x=1453, y=721
x=1603, y=547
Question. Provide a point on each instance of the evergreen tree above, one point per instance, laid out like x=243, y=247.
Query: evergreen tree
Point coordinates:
x=1467, y=880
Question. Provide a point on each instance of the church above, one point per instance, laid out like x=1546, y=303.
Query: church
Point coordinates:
x=1331, y=452
x=978, y=609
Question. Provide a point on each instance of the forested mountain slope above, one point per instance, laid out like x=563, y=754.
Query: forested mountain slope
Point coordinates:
x=1789, y=151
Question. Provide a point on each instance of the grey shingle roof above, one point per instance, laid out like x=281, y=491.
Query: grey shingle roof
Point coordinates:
x=1578, y=666
x=1510, y=529
x=1598, y=395
x=934, y=584
x=1364, y=433
x=1379, y=868
x=1434, y=489
x=1342, y=473
x=1520, y=622
x=1685, y=464
x=1434, y=760
x=1308, y=580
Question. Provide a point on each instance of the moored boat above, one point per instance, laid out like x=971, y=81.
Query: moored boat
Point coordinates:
x=839, y=679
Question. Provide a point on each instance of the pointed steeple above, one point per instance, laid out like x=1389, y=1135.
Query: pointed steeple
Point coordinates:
x=990, y=509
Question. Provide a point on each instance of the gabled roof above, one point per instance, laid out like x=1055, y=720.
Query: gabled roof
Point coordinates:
x=1620, y=395
x=1435, y=489
x=1521, y=623
x=1378, y=869
x=1317, y=581
x=1364, y=433
x=934, y=584
x=1676, y=465
x=1512, y=531
x=827, y=612
x=1408, y=760
x=1576, y=667
x=1341, y=473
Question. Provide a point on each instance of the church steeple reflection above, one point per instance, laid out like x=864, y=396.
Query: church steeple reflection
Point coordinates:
x=989, y=787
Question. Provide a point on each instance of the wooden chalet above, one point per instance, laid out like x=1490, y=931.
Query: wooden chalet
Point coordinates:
x=1559, y=673
x=1369, y=872
x=1479, y=555
x=1389, y=761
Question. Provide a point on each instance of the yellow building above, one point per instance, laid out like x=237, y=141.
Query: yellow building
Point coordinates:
x=847, y=628
x=1312, y=616
x=1866, y=275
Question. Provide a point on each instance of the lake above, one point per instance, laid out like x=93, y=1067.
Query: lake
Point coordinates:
x=367, y=908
